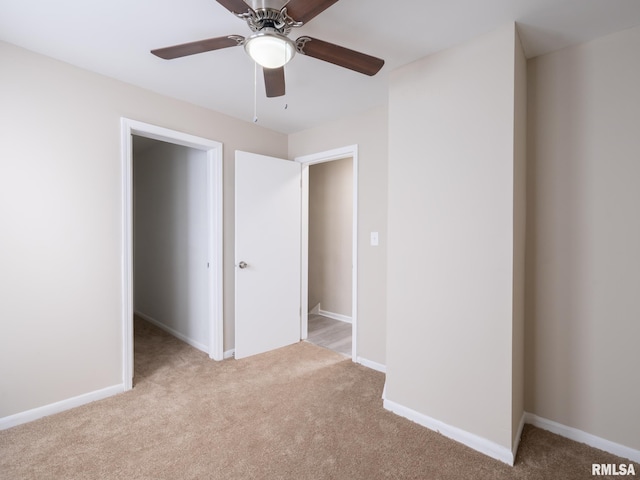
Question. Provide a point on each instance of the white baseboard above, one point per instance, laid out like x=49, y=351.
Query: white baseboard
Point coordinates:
x=372, y=365
x=315, y=310
x=482, y=445
x=229, y=353
x=583, y=437
x=57, y=407
x=335, y=316
x=175, y=333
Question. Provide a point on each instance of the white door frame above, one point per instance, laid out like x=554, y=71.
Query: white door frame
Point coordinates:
x=214, y=199
x=350, y=151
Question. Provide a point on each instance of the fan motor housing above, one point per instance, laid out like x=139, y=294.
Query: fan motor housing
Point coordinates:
x=266, y=4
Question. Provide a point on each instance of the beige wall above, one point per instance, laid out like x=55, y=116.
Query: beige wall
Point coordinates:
x=583, y=250
x=331, y=235
x=369, y=131
x=451, y=237
x=60, y=204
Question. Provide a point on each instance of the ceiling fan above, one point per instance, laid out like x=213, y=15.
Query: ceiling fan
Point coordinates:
x=271, y=21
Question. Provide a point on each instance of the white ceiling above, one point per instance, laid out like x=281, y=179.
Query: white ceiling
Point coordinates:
x=113, y=37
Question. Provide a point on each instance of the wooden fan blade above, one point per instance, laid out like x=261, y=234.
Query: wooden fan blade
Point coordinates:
x=235, y=6
x=340, y=56
x=305, y=10
x=199, y=46
x=274, y=81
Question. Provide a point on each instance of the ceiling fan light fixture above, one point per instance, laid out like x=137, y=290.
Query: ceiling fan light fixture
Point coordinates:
x=270, y=49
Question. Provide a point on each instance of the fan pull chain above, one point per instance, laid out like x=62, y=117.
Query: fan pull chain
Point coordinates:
x=255, y=92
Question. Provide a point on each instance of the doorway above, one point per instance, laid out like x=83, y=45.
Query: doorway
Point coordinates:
x=330, y=251
x=170, y=239
x=214, y=285
x=344, y=154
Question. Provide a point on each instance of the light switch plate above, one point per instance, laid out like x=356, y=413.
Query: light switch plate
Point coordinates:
x=374, y=239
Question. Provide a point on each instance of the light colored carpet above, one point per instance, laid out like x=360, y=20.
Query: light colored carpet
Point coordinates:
x=301, y=412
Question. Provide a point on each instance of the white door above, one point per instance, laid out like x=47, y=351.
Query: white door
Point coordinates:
x=267, y=253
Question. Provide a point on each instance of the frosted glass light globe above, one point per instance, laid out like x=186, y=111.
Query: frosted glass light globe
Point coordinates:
x=270, y=50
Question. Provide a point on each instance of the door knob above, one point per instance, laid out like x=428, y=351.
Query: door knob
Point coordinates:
x=243, y=265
